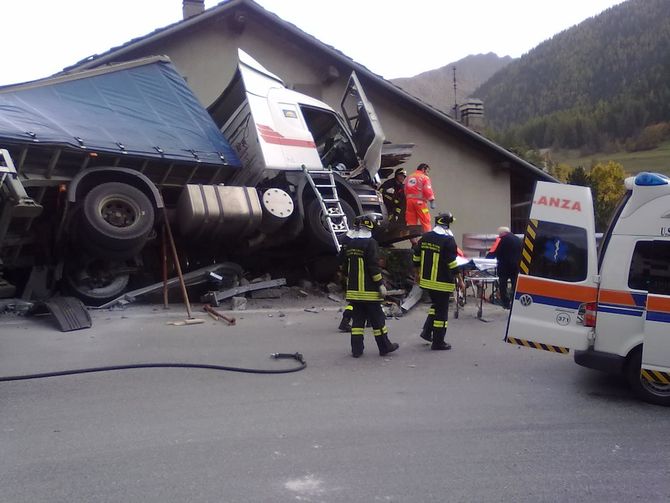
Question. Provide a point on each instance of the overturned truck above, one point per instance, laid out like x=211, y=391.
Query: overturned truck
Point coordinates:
x=93, y=163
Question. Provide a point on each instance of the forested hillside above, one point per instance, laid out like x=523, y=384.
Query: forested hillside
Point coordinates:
x=598, y=86
x=437, y=86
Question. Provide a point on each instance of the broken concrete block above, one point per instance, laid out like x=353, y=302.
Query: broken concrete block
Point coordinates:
x=335, y=298
x=239, y=303
x=305, y=284
x=267, y=293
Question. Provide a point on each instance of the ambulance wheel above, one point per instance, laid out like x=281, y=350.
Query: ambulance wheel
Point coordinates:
x=117, y=216
x=316, y=224
x=655, y=393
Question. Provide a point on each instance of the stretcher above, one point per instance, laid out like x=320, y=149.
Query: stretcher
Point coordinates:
x=478, y=274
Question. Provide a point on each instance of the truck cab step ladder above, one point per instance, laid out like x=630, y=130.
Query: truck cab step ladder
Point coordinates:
x=329, y=200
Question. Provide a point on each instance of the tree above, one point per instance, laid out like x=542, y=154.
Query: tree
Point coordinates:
x=578, y=176
x=561, y=172
x=606, y=181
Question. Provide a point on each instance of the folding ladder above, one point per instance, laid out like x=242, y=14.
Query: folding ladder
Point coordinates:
x=326, y=193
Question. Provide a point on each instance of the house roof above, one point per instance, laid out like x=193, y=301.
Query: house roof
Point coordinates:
x=227, y=6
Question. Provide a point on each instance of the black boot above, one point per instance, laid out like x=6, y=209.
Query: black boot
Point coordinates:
x=426, y=334
x=385, y=346
x=439, y=344
x=345, y=325
x=356, y=345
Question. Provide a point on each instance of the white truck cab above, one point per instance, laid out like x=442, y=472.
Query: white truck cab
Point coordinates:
x=277, y=129
x=612, y=307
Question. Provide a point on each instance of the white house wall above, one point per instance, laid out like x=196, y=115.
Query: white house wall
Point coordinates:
x=464, y=178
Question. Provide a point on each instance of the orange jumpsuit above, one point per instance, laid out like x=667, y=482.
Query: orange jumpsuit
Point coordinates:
x=418, y=192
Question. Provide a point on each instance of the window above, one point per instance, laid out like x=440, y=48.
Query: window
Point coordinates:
x=650, y=267
x=559, y=252
x=331, y=139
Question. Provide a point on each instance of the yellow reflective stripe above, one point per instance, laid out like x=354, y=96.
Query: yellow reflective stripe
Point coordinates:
x=453, y=264
x=349, y=307
x=431, y=310
x=416, y=259
x=531, y=231
x=377, y=332
x=385, y=330
x=528, y=243
x=524, y=267
x=361, y=275
x=436, y=285
x=438, y=324
x=377, y=277
x=525, y=255
x=357, y=331
x=354, y=295
x=433, y=270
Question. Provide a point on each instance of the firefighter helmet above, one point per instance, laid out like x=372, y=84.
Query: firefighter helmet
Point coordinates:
x=444, y=219
x=368, y=220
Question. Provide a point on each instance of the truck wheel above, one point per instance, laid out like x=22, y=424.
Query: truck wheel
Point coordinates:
x=658, y=394
x=96, y=283
x=117, y=216
x=317, y=224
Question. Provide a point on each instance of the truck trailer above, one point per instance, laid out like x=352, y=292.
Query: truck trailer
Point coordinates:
x=93, y=163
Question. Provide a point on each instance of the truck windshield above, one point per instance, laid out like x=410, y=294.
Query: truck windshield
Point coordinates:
x=331, y=138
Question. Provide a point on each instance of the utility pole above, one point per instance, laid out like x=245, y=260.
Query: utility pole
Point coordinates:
x=455, y=99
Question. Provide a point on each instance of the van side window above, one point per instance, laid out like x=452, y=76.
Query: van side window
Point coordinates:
x=650, y=267
x=559, y=252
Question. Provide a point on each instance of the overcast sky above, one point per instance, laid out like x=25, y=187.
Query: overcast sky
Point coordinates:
x=393, y=38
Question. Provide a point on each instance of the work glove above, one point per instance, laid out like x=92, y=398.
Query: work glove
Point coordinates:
x=383, y=290
x=432, y=204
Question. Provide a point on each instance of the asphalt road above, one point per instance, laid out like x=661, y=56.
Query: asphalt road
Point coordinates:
x=484, y=422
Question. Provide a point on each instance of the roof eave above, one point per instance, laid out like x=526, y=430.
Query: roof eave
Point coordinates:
x=334, y=53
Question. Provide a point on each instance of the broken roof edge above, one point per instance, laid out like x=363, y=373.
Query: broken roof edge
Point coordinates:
x=227, y=5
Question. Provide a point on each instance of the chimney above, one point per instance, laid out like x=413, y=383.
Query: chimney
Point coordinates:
x=192, y=8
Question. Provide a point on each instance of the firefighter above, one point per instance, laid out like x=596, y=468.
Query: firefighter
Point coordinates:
x=419, y=195
x=365, y=288
x=393, y=192
x=435, y=256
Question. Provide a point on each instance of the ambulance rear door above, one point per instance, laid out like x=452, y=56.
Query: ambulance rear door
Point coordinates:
x=557, y=272
x=656, y=347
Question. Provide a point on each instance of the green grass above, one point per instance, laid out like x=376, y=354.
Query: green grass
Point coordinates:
x=657, y=160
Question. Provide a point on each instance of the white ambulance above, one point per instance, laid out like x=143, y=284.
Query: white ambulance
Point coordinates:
x=612, y=306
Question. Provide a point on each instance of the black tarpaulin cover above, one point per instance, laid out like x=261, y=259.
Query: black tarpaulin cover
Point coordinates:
x=142, y=107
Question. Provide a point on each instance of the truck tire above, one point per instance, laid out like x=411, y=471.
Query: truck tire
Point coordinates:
x=317, y=226
x=117, y=216
x=94, y=284
x=658, y=394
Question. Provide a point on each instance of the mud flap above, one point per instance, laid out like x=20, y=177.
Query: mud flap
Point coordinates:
x=70, y=313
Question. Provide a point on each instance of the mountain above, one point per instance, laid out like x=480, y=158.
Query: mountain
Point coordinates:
x=436, y=87
x=603, y=84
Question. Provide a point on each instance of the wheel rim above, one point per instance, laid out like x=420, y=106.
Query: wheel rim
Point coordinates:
x=118, y=211
x=97, y=282
x=654, y=388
